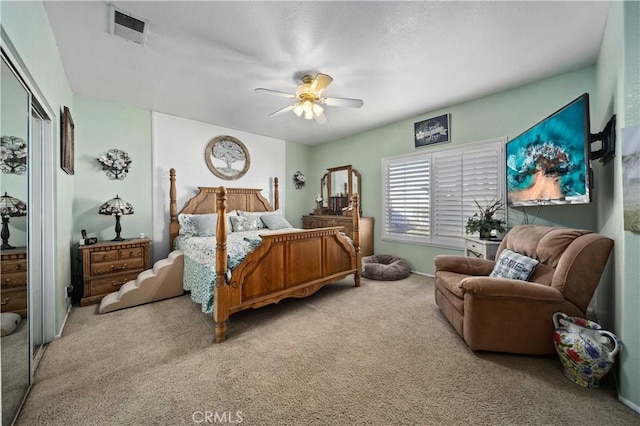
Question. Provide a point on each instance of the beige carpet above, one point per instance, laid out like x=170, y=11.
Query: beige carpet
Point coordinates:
x=380, y=354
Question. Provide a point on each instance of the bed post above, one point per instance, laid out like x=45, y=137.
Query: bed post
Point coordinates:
x=276, y=197
x=173, y=207
x=356, y=236
x=221, y=289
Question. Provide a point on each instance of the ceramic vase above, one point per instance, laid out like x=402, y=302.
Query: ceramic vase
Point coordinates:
x=586, y=351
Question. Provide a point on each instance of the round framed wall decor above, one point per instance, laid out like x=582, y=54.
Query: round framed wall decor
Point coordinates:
x=227, y=157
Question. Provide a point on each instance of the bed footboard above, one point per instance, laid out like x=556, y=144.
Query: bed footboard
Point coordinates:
x=287, y=264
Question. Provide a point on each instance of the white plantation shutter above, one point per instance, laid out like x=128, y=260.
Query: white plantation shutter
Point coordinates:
x=480, y=182
x=447, y=196
x=428, y=197
x=406, y=208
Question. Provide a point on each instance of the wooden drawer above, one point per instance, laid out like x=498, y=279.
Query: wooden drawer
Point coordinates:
x=11, y=266
x=104, y=256
x=131, y=253
x=14, y=300
x=477, y=247
x=110, y=284
x=117, y=266
x=18, y=279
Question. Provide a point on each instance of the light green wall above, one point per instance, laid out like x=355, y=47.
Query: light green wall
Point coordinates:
x=100, y=126
x=299, y=201
x=506, y=113
x=617, y=88
x=26, y=28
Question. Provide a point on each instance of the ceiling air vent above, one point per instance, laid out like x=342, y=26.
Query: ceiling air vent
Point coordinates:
x=125, y=25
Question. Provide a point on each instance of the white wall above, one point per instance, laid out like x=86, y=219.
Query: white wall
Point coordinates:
x=179, y=143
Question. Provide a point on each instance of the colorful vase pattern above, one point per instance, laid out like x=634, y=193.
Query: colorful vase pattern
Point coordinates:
x=586, y=351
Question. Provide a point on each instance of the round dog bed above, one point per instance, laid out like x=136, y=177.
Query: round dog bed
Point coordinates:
x=383, y=267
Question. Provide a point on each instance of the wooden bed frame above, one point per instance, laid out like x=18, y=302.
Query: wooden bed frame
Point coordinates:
x=287, y=264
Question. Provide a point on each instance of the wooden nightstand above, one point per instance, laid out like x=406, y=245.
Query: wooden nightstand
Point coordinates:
x=109, y=264
x=482, y=249
x=13, y=270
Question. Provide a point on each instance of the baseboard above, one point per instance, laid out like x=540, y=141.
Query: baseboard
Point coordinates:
x=633, y=406
x=424, y=274
x=64, y=322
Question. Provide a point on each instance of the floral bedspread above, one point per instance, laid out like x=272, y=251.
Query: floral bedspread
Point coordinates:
x=199, y=275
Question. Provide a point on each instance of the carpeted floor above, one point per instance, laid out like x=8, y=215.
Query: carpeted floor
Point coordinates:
x=380, y=354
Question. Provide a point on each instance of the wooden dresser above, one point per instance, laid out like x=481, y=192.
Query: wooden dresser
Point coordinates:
x=109, y=264
x=13, y=273
x=366, y=228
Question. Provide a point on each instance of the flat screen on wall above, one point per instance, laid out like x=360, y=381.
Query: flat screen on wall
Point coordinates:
x=550, y=162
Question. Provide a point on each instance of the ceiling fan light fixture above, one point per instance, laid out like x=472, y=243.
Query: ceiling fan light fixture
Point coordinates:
x=309, y=100
x=307, y=106
x=317, y=109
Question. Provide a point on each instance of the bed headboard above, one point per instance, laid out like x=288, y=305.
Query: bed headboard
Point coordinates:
x=250, y=200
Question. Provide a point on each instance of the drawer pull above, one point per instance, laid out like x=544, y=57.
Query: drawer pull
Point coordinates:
x=18, y=267
x=4, y=301
x=104, y=257
x=124, y=266
x=115, y=284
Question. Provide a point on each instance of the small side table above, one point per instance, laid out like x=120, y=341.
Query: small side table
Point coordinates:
x=481, y=249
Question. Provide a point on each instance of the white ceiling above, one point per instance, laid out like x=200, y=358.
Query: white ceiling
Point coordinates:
x=203, y=60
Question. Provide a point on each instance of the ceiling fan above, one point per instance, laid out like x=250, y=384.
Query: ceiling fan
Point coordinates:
x=309, y=99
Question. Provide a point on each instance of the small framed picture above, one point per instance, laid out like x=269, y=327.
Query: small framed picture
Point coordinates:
x=66, y=142
x=432, y=130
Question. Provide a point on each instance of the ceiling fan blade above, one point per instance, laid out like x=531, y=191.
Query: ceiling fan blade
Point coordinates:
x=321, y=119
x=283, y=110
x=275, y=92
x=342, y=102
x=321, y=82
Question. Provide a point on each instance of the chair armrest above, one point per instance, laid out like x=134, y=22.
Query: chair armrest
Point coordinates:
x=464, y=265
x=506, y=287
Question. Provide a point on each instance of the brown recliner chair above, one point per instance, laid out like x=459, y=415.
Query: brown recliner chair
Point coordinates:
x=507, y=315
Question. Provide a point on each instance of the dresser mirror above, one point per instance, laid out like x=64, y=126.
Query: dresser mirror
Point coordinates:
x=336, y=188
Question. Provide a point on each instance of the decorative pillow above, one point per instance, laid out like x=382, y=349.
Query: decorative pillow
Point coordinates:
x=253, y=215
x=514, y=265
x=187, y=227
x=10, y=321
x=275, y=221
x=205, y=224
x=245, y=223
x=202, y=225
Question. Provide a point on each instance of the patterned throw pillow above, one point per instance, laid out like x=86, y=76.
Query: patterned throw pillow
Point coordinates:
x=187, y=227
x=245, y=223
x=514, y=265
x=257, y=215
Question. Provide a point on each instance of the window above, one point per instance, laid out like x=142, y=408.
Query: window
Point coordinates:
x=427, y=197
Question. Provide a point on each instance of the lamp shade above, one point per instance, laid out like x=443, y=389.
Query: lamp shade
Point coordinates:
x=9, y=207
x=116, y=206
x=12, y=207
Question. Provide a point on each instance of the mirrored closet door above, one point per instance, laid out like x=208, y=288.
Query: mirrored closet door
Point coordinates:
x=14, y=189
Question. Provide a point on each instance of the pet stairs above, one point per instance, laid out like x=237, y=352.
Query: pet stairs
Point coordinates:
x=161, y=282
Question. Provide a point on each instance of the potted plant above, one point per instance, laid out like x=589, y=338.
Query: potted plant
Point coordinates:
x=485, y=220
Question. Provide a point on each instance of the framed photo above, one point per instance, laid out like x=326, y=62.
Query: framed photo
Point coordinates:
x=66, y=142
x=432, y=130
x=227, y=157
